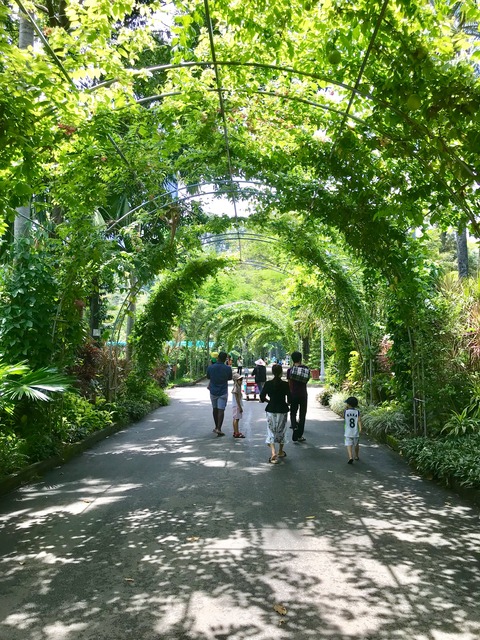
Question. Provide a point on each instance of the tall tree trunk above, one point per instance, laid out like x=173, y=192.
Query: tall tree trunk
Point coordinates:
x=305, y=348
x=95, y=330
x=21, y=226
x=462, y=253
x=132, y=310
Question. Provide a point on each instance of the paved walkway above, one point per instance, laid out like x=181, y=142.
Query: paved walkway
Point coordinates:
x=165, y=532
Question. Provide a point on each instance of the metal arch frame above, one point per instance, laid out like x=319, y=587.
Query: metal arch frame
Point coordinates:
x=454, y=195
x=165, y=194
x=360, y=73
x=246, y=237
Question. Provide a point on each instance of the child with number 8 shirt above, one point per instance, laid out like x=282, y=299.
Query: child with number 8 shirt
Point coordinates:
x=353, y=428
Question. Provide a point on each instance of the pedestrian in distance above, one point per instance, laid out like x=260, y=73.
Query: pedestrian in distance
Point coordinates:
x=219, y=374
x=352, y=428
x=239, y=365
x=278, y=393
x=237, y=404
x=260, y=373
x=298, y=375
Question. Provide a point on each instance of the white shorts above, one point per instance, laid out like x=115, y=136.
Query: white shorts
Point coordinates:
x=351, y=442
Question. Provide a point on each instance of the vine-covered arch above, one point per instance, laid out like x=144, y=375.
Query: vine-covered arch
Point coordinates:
x=230, y=322
x=347, y=125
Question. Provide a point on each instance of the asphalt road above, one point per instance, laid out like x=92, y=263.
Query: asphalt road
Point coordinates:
x=166, y=532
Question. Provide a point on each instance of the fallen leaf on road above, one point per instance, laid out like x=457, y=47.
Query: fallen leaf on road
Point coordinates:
x=129, y=579
x=193, y=539
x=279, y=608
x=85, y=500
x=311, y=517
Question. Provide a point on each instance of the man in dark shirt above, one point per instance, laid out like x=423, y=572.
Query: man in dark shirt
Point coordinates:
x=298, y=375
x=219, y=374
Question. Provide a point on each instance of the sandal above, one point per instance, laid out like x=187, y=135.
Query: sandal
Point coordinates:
x=219, y=433
x=238, y=435
x=281, y=455
x=273, y=460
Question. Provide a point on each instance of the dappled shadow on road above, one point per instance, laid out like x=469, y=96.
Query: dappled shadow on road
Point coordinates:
x=204, y=550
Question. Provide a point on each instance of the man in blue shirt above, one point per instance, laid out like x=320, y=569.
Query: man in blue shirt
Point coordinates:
x=219, y=374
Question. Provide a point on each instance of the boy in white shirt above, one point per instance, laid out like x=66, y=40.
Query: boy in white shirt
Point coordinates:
x=353, y=428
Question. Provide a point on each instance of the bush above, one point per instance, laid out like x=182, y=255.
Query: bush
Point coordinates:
x=325, y=396
x=337, y=401
x=134, y=409
x=80, y=418
x=386, y=419
x=448, y=460
x=11, y=456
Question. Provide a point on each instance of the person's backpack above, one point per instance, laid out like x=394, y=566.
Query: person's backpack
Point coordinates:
x=300, y=373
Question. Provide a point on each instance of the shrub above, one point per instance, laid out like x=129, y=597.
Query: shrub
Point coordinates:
x=155, y=395
x=325, y=396
x=337, y=401
x=80, y=418
x=386, y=419
x=449, y=460
x=134, y=409
x=11, y=456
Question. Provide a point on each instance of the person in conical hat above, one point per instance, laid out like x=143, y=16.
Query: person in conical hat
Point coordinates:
x=260, y=374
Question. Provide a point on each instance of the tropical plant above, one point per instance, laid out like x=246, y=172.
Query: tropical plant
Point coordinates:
x=18, y=382
x=460, y=424
x=386, y=419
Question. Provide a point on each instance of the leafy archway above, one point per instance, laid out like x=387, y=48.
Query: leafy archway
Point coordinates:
x=354, y=122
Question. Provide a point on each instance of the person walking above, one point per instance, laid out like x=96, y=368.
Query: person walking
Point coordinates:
x=352, y=428
x=278, y=393
x=239, y=365
x=298, y=375
x=237, y=404
x=260, y=373
x=219, y=374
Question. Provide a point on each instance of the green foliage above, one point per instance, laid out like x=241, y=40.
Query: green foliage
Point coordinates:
x=131, y=409
x=139, y=397
x=137, y=386
x=355, y=372
x=451, y=460
x=170, y=297
x=386, y=419
x=19, y=382
x=337, y=402
x=79, y=418
x=460, y=424
x=28, y=298
x=11, y=456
